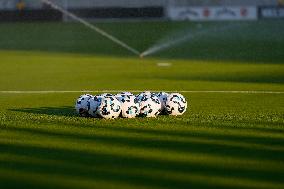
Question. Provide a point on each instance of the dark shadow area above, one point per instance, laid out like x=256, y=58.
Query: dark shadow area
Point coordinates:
x=119, y=167
x=216, y=50
x=67, y=111
x=276, y=78
x=256, y=42
x=201, y=144
x=24, y=183
x=93, y=165
x=249, y=140
x=116, y=167
x=72, y=38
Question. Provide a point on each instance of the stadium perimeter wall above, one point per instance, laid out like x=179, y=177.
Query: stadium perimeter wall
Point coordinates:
x=88, y=9
x=37, y=4
x=144, y=9
x=78, y=4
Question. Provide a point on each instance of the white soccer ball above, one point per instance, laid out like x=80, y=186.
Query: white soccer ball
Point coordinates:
x=150, y=106
x=94, y=104
x=124, y=93
x=144, y=95
x=176, y=104
x=106, y=95
x=82, y=105
x=163, y=98
x=129, y=106
x=110, y=108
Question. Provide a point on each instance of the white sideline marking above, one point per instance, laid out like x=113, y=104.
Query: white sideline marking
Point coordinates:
x=137, y=91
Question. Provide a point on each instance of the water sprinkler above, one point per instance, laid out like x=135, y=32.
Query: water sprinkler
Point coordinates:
x=91, y=26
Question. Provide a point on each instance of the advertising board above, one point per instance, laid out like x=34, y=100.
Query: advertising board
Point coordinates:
x=271, y=12
x=212, y=13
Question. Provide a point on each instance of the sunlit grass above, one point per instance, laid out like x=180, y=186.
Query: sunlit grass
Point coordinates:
x=224, y=140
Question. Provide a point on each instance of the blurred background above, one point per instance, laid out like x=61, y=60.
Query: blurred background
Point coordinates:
x=150, y=27
x=144, y=9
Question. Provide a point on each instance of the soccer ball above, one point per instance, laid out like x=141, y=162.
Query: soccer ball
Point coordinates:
x=106, y=95
x=129, y=106
x=144, y=95
x=110, y=108
x=163, y=98
x=82, y=105
x=94, y=104
x=176, y=104
x=124, y=93
x=150, y=106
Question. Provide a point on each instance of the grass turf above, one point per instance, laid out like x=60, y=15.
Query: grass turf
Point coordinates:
x=223, y=141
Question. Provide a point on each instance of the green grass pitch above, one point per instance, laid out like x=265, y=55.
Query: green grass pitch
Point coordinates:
x=225, y=140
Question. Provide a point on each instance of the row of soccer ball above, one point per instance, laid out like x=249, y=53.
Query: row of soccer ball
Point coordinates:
x=128, y=105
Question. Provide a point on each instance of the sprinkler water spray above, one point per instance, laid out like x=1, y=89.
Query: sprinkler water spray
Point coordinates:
x=92, y=27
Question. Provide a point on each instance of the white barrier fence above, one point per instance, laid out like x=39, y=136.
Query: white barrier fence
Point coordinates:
x=213, y=13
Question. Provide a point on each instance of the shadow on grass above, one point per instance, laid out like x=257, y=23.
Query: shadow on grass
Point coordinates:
x=97, y=165
x=140, y=171
x=67, y=111
x=268, y=127
x=201, y=144
x=240, y=78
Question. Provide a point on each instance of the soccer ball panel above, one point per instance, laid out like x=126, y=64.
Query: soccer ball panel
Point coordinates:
x=144, y=95
x=163, y=98
x=125, y=96
x=124, y=93
x=106, y=95
x=94, y=104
